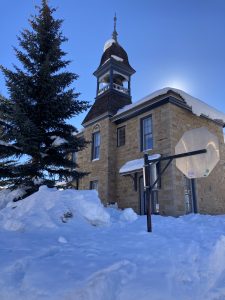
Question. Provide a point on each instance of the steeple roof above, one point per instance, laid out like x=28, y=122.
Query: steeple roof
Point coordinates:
x=112, y=49
x=117, y=52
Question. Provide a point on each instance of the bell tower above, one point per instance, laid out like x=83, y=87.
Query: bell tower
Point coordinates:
x=113, y=80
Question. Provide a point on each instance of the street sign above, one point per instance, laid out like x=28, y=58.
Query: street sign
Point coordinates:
x=198, y=165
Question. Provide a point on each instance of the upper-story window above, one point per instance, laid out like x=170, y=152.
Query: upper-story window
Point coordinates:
x=96, y=145
x=146, y=134
x=121, y=136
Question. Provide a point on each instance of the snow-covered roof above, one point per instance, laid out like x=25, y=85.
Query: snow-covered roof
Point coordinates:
x=136, y=164
x=198, y=106
x=108, y=43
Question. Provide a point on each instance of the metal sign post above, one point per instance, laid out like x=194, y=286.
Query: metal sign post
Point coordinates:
x=189, y=163
x=148, y=187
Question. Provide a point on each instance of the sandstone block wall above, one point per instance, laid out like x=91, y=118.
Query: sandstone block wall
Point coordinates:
x=169, y=123
x=210, y=190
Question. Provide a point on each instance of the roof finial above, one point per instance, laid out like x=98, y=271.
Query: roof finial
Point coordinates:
x=115, y=34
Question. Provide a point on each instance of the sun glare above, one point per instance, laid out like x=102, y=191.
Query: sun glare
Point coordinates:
x=175, y=83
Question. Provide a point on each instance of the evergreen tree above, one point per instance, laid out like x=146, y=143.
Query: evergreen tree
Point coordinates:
x=35, y=138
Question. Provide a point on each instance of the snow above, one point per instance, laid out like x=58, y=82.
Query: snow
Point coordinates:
x=37, y=180
x=128, y=215
x=49, y=208
x=7, y=196
x=198, y=107
x=108, y=43
x=58, y=141
x=3, y=143
x=183, y=258
x=117, y=57
x=136, y=164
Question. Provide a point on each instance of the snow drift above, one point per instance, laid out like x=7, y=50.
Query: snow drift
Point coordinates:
x=7, y=196
x=50, y=250
x=50, y=208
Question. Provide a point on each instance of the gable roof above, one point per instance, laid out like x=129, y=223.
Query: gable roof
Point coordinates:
x=197, y=106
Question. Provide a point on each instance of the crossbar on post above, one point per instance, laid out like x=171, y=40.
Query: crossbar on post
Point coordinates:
x=146, y=172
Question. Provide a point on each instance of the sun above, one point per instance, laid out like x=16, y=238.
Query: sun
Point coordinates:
x=178, y=84
x=175, y=83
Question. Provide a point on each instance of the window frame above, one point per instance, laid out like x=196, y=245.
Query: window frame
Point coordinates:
x=118, y=129
x=93, y=151
x=74, y=157
x=142, y=133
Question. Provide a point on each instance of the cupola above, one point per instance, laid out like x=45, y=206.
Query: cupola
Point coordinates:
x=114, y=71
x=113, y=79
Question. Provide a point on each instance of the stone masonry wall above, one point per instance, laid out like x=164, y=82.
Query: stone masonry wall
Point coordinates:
x=112, y=186
x=210, y=190
x=100, y=169
x=125, y=193
x=169, y=123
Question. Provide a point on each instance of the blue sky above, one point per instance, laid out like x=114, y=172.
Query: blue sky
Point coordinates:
x=178, y=43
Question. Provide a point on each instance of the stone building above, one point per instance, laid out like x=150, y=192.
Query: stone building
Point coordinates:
x=121, y=131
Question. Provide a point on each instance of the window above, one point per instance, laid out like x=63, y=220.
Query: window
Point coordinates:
x=146, y=133
x=96, y=145
x=74, y=157
x=121, y=136
x=94, y=185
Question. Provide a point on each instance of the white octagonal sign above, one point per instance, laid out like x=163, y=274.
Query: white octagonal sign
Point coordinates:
x=200, y=165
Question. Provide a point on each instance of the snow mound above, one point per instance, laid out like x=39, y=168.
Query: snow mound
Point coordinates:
x=104, y=284
x=128, y=215
x=7, y=196
x=51, y=208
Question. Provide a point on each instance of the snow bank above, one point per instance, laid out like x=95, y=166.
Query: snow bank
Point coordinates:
x=128, y=215
x=183, y=258
x=7, y=196
x=198, y=107
x=50, y=208
x=49, y=251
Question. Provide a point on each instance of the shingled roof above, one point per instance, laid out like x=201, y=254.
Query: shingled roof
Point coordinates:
x=109, y=103
x=115, y=50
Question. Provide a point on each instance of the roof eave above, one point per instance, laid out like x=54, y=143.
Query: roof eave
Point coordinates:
x=169, y=97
